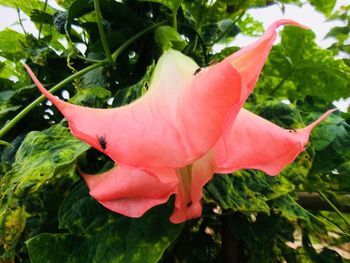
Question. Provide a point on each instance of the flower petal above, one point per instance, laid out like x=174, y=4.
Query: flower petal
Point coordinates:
x=255, y=143
x=250, y=60
x=182, y=115
x=131, y=191
x=188, y=203
x=177, y=121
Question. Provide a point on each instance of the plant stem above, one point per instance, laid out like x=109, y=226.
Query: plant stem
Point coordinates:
x=204, y=47
x=132, y=39
x=41, y=25
x=102, y=32
x=175, y=20
x=20, y=20
x=89, y=59
x=318, y=219
x=324, y=197
x=32, y=105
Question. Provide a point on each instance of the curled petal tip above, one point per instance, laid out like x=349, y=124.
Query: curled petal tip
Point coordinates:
x=320, y=119
x=287, y=22
x=42, y=89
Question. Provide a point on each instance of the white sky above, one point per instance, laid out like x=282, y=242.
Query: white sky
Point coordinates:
x=306, y=15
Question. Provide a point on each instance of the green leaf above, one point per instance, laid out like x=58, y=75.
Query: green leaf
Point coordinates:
x=11, y=44
x=297, y=67
x=245, y=191
x=6, y=95
x=94, y=78
x=81, y=214
x=324, y=6
x=167, y=37
x=332, y=141
x=25, y=6
x=263, y=236
x=39, y=16
x=288, y=208
x=235, y=195
x=340, y=33
x=107, y=237
x=55, y=248
x=249, y=26
x=173, y=5
x=5, y=110
x=5, y=143
x=43, y=170
x=91, y=97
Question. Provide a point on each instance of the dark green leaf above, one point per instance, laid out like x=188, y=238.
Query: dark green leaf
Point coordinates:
x=332, y=141
x=55, y=248
x=81, y=214
x=43, y=168
x=39, y=16
x=121, y=239
x=6, y=95
x=94, y=78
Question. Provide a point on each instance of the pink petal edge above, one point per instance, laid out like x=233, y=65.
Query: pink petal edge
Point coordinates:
x=130, y=191
x=262, y=145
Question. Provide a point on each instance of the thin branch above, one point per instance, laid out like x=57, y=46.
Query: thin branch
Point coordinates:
x=88, y=59
x=204, y=47
x=175, y=20
x=20, y=20
x=317, y=218
x=41, y=25
x=102, y=32
x=324, y=197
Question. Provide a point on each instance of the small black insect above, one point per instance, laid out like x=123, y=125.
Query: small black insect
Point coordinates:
x=146, y=85
x=293, y=130
x=197, y=71
x=102, y=141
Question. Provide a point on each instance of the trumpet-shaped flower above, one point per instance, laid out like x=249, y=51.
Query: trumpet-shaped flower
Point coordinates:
x=188, y=126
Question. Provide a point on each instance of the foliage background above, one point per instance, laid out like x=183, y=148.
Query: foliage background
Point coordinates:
x=46, y=214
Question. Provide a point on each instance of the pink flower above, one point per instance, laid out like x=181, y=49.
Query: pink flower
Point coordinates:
x=183, y=130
